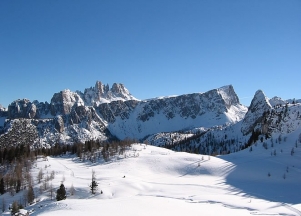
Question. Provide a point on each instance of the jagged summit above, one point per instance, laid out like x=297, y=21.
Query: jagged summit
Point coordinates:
x=64, y=101
x=259, y=105
x=228, y=94
x=21, y=108
x=139, y=119
x=277, y=101
x=102, y=112
x=101, y=93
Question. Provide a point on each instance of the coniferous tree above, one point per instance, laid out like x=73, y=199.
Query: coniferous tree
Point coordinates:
x=2, y=190
x=15, y=208
x=94, y=184
x=30, y=194
x=3, y=207
x=18, y=187
x=61, y=193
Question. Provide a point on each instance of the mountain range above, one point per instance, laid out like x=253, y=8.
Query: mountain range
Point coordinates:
x=213, y=122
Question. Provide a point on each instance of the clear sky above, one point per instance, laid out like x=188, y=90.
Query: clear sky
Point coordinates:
x=154, y=47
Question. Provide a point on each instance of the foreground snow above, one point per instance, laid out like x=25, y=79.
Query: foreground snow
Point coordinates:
x=156, y=181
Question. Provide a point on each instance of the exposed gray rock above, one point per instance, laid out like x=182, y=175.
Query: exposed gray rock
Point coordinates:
x=3, y=111
x=62, y=102
x=59, y=124
x=22, y=109
x=101, y=113
x=259, y=106
x=101, y=93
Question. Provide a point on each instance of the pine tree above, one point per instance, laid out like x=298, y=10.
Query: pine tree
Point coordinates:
x=15, y=208
x=2, y=190
x=94, y=184
x=18, y=187
x=30, y=195
x=61, y=193
x=3, y=207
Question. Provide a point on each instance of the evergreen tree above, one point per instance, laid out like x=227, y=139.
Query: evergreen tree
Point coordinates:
x=3, y=207
x=15, y=208
x=18, y=187
x=30, y=195
x=94, y=184
x=61, y=193
x=2, y=190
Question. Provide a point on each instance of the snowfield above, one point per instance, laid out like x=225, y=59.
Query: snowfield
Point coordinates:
x=156, y=181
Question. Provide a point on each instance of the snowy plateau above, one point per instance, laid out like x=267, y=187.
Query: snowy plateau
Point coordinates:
x=194, y=154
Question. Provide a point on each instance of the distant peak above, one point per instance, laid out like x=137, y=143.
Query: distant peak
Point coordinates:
x=102, y=93
x=228, y=94
x=259, y=105
x=226, y=87
x=260, y=96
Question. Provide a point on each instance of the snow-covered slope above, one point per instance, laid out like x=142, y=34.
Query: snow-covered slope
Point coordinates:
x=157, y=181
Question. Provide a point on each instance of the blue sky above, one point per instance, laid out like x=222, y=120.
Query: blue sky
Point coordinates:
x=155, y=47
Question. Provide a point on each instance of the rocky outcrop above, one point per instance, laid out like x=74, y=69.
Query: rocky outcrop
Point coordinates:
x=3, y=111
x=59, y=124
x=22, y=109
x=101, y=93
x=259, y=106
x=63, y=102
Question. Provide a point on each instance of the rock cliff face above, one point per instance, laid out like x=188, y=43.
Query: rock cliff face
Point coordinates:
x=259, y=106
x=103, y=94
x=22, y=109
x=63, y=102
x=101, y=112
x=136, y=119
x=3, y=111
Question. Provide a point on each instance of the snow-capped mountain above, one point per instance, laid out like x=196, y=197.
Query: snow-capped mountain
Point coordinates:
x=102, y=113
x=213, y=122
x=262, y=122
x=101, y=93
x=137, y=119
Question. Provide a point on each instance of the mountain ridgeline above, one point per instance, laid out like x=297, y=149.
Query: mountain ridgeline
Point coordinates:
x=210, y=122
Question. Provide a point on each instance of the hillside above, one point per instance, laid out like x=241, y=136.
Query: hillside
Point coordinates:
x=152, y=180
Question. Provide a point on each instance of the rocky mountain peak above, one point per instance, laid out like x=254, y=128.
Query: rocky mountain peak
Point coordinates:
x=259, y=105
x=101, y=93
x=22, y=108
x=228, y=95
x=62, y=102
x=277, y=101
